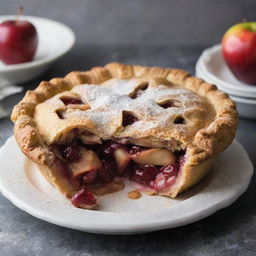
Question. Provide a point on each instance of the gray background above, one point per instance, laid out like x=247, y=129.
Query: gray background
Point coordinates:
x=141, y=22
x=161, y=33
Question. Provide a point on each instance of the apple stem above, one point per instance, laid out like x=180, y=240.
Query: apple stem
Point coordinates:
x=19, y=13
x=244, y=20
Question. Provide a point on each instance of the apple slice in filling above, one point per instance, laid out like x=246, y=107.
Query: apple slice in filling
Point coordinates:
x=122, y=158
x=84, y=198
x=89, y=161
x=155, y=156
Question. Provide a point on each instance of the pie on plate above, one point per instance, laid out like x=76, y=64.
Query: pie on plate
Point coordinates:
x=90, y=131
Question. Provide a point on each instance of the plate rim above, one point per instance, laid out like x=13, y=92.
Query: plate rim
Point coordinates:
x=206, y=54
x=201, y=74
x=127, y=229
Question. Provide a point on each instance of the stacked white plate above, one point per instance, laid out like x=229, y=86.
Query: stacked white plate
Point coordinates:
x=212, y=68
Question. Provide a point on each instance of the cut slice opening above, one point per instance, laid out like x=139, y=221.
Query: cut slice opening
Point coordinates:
x=100, y=166
x=143, y=87
x=179, y=120
x=128, y=118
x=169, y=104
x=70, y=100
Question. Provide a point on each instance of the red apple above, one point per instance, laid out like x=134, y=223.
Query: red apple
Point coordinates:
x=18, y=41
x=239, y=51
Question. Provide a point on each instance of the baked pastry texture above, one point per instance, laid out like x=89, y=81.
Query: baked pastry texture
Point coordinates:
x=159, y=128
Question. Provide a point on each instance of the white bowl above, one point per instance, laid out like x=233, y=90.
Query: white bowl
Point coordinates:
x=202, y=74
x=55, y=39
x=212, y=64
x=246, y=106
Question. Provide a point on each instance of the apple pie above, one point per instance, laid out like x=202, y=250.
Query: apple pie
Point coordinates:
x=156, y=128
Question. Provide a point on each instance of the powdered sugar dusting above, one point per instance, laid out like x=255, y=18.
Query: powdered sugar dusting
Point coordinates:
x=123, y=86
x=108, y=101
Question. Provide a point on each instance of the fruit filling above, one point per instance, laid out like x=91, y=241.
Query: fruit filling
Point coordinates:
x=96, y=165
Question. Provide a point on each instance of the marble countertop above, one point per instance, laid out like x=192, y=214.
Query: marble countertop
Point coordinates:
x=231, y=231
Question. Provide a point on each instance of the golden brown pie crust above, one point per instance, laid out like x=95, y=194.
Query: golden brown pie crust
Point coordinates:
x=203, y=144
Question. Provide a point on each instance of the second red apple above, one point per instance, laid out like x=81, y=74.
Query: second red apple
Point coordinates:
x=239, y=51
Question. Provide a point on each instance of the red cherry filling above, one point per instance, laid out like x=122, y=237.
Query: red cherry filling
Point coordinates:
x=110, y=166
x=145, y=174
x=111, y=157
x=90, y=177
x=135, y=149
x=170, y=170
x=107, y=173
x=70, y=153
x=182, y=160
x=109, y=148
x=84, y=199
x=105, y=176
x=67, y=100
x=166, y=178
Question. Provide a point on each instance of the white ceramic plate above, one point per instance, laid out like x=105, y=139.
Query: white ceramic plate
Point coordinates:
x=246, y=106
x=202, y=74
x=22, y=183
x=213, y=65
x=55, y=39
